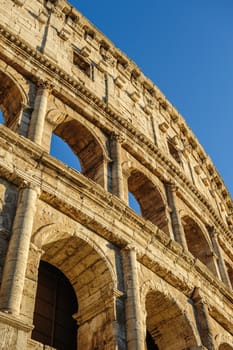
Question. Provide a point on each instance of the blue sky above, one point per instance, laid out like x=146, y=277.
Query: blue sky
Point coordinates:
x=186, y=48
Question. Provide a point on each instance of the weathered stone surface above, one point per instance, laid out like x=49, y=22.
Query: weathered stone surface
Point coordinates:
x=164, y=277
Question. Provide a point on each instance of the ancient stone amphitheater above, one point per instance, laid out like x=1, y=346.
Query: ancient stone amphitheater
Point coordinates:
x=80, y=269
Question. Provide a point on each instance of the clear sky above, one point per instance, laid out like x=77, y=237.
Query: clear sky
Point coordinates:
x=186, y=48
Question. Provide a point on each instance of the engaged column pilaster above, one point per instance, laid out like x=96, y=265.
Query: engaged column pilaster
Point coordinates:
x=134, y=319
x=178, y=230
x=36, y=128
x=18, y=250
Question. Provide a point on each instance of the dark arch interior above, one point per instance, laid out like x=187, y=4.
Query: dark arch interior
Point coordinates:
x=197, y=243
x=150, y=344
x=55, y=304
x=150, y=201
x=61, y=150
x=85, y=146
x=10, y=100
x=164, y=317
x=230, y=273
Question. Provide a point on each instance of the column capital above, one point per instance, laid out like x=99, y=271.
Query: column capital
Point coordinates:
x=130, y=247
x=198, y=297
x=173, y=187
x=44, y=84
x=213, y=231
x=28, y=185
x=117, y=137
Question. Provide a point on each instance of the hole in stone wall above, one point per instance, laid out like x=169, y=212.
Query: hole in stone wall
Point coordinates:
x=60, y=150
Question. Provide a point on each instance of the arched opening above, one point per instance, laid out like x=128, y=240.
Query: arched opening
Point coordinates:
x=133, y=203
x=85, y=147
x=60, y=150
x=91, y=277
x=55, y=304
x=10, y=102
x=168, y=327
x=151, y=204
x=230, y=273
x=225, y=346
x=1, y=117
x=197, y=243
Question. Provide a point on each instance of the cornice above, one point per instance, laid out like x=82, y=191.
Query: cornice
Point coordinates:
x=56, y=73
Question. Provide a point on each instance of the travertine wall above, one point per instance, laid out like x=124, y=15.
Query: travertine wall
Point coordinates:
x=167, y=273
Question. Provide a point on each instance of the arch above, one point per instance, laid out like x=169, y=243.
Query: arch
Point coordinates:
x=167, y=322
x=197, y=242
x=224, y=341
x=230, y=273
x=226, y=346
x=60, y=150
x=92, y=278
x=55, y=304
x=84, y=143
x=133, y=203
x=12, y=99
x=152, y=205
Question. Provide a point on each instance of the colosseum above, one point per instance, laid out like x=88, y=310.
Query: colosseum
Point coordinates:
x=79, y=268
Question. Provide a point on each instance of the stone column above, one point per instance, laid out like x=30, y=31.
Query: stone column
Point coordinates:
x=203, y=320
x=178, y=230
x=134, y=317
x=221, y=265
x=36, y=128
x=117, y=177
x=18, y=250
x=26, y=112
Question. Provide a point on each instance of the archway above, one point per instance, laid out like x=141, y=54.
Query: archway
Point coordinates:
x=149, y=198
x=55, y=304
x=197, y=243
x=225, y=346
x=230, y=273
x=61, y=150
x=86, y=147
x=91, y=277
x=168, y=326
x=11, y=102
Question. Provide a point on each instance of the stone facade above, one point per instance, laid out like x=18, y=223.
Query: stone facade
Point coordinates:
x=162, y=280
